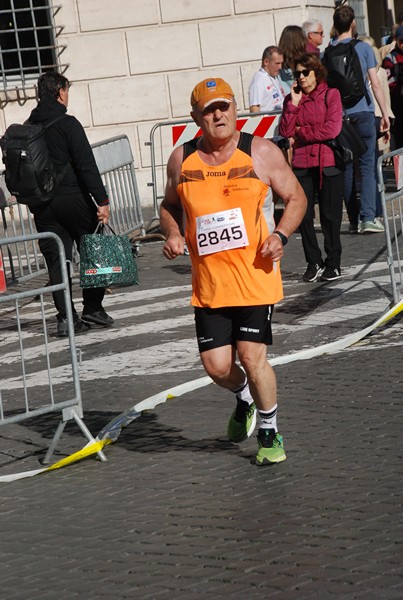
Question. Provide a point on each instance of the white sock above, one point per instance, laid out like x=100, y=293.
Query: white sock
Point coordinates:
x=268, y=419
x=243, y=393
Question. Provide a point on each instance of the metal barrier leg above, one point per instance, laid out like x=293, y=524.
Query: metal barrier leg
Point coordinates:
x=87, y=433
x=68, y=414
x=54, y=442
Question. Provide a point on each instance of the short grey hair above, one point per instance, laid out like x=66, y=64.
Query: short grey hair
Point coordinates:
x=310, y=25
x=269, y=51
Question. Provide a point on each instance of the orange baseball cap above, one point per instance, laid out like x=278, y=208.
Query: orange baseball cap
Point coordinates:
x=211, y=90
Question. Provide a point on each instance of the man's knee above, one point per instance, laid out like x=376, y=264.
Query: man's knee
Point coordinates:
x=217, y=363
x=253, y=357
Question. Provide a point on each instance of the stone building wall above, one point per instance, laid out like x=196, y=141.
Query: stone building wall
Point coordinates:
x=134, y=62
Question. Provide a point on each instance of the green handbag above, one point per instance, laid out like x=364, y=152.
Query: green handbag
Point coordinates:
x=106, y=260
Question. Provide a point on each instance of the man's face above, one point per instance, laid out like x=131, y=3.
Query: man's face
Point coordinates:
x=217, y=121
x=273, y=65
x=63, y=97
x=316, y=37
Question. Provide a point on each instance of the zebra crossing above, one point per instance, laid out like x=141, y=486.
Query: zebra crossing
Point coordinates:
x=154, y=329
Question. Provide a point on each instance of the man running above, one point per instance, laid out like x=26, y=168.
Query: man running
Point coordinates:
x=217, y=184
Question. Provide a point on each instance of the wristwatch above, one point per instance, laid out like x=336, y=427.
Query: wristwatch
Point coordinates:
x=283, y=238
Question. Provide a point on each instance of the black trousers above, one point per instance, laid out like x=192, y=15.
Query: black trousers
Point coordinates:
x=69, y=216
x=330, y=200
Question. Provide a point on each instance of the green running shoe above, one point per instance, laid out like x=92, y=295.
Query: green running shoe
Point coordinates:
x=271, y=448
x=242, y=422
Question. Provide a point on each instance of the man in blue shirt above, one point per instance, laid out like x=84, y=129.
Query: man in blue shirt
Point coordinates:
x=363, y=116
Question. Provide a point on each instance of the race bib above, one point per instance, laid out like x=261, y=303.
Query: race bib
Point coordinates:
x=220, y=231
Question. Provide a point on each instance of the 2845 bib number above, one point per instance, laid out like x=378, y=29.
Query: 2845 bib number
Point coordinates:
x=221, y=231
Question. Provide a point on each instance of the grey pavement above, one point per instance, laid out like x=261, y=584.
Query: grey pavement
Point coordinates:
x=179, y=512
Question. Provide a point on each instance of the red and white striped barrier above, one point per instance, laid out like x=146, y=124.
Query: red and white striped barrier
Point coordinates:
x=3, y=286
x=263, y=126
x=398, y=166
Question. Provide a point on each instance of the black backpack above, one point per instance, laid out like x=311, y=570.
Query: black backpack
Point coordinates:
x=344, y=72
x=30, y=174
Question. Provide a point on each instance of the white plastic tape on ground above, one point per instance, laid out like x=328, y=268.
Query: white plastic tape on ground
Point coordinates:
x=341, y=344
x=112, y=430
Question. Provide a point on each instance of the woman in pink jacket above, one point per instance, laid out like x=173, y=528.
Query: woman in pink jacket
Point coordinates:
x=312, y=115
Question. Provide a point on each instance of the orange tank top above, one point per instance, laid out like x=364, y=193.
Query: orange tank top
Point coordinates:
x=223, y=208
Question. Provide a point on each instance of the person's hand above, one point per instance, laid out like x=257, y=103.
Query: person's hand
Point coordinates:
x=174, y=246
x=103, y=214
x=385, y=137
x=296, y=94
x=273, y=248
x=385, y=124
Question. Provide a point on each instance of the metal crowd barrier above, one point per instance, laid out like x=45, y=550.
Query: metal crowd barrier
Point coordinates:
x=115, y=162
x=166, y=136
x=20, y=396
x=393, y=220
x=116, y=165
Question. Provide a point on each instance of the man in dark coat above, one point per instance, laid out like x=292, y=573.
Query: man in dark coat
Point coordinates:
x=80, y=200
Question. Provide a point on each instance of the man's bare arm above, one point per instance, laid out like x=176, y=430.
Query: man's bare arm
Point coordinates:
x=379, y=96
x=254, y=108
x=272, y=168
x=171, y=212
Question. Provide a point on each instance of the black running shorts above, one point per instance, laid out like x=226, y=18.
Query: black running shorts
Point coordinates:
x=217, y=327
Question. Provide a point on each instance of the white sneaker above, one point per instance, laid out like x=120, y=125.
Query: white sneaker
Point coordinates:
x=374, y=226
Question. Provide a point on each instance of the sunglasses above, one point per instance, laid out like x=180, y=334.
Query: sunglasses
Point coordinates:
x=318, y=33
x=222, y=106
x=304, y=72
